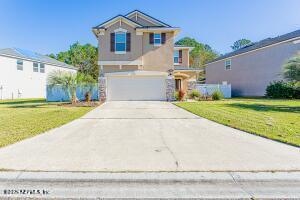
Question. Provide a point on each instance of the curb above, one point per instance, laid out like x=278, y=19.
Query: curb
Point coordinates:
x=151, y=177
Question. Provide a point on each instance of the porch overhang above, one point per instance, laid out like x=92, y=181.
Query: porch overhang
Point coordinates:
x=137, y=73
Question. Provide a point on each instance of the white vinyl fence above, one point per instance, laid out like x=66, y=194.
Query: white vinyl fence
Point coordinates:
x=57, y=93
x=208, y=89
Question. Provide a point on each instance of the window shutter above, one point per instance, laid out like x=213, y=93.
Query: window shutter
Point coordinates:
x=180, y=56
x=112, y=42
x=128, y=42
x=163, y=38
x=151, y=38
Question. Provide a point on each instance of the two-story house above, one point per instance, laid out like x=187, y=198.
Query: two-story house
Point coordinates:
x=139, y=61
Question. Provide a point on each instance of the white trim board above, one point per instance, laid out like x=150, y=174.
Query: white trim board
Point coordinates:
x=134, y=62
x=117, y=19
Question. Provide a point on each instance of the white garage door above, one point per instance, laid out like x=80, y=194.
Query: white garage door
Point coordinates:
x=126, y=88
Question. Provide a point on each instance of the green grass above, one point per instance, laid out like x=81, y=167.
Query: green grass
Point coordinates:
x=24, y=118
x=274, y=119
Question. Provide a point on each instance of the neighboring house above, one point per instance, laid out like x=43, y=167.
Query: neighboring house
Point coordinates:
x=23, y=73
x=250, y=69
x=138, y=59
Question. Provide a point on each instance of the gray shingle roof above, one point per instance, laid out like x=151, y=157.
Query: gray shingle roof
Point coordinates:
x=100, y=26
x=25, y=54
x=260, y=44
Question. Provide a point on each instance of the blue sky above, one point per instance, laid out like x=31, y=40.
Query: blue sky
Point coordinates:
x=52, y=26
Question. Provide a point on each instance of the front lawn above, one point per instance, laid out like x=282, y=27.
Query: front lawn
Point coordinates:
x=20, y=119
x=274, y=119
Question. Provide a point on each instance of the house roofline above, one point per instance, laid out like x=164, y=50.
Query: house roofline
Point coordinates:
x=228, y=56
x=100, y=26
x=183, y=47
x=39, y=61
x=130, y=13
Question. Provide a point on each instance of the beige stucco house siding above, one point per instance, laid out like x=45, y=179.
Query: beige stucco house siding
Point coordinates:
x=185, y=58
x=104, y=45
x=158, y=58
x=251, y=72
x=154, y=58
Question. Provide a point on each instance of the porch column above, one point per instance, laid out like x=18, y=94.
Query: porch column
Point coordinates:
x=170, y=88
x=102, y=88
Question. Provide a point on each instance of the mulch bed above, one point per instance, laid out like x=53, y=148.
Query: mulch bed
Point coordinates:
x=82, y=104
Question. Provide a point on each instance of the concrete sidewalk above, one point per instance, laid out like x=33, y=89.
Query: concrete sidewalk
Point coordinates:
x=147, y=136
x=231, y=185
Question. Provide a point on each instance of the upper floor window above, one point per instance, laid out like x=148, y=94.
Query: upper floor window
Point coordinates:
x=157, y=38
x=35, y=67
x=19, y=64
x=42, y=68
x=228, y=64
x=120, y=42
x=176, y=57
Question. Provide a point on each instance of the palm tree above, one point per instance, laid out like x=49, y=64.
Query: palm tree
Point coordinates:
x=69, y=82
x=292, y=69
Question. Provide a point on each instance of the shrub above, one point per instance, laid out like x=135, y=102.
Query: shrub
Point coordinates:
x=217, y=95
x=176, y=95
x=297, y=90
x=280, y=89
x=179, y=95
x=194, y=94
x=88, y=96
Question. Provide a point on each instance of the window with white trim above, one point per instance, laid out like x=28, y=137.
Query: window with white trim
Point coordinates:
x=157, y=38
x=42, y=68
x=35, y=67
x=120, y=42
x=228, y=64
x=20, y=65
x=176, y=56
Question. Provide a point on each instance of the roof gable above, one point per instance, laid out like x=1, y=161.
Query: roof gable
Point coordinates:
x=146, y=17
x=116, y=19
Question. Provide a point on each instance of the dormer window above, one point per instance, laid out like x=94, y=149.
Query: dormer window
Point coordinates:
x=157, y=39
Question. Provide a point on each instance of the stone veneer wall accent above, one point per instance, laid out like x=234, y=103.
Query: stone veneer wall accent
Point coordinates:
x=170, y=89
x=102, y=88
x=191, y=85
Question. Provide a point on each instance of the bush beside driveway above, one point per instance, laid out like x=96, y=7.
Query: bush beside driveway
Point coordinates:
x=20, y=119
x=274, y=119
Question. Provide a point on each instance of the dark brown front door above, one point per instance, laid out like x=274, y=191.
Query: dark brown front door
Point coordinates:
x=178, y=84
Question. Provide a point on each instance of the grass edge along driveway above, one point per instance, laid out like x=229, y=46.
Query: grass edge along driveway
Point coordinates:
x=25, y=118
x=274, y=119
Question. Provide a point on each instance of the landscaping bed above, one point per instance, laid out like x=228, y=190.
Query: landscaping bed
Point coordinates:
x=24, y=118
x=274, y=119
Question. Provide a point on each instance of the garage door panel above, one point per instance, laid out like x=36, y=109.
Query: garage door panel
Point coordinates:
x=136, y=88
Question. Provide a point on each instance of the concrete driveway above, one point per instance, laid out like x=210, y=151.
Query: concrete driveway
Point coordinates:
x=147, y=136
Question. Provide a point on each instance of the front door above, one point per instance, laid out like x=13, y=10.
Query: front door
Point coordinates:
x=178, y=84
